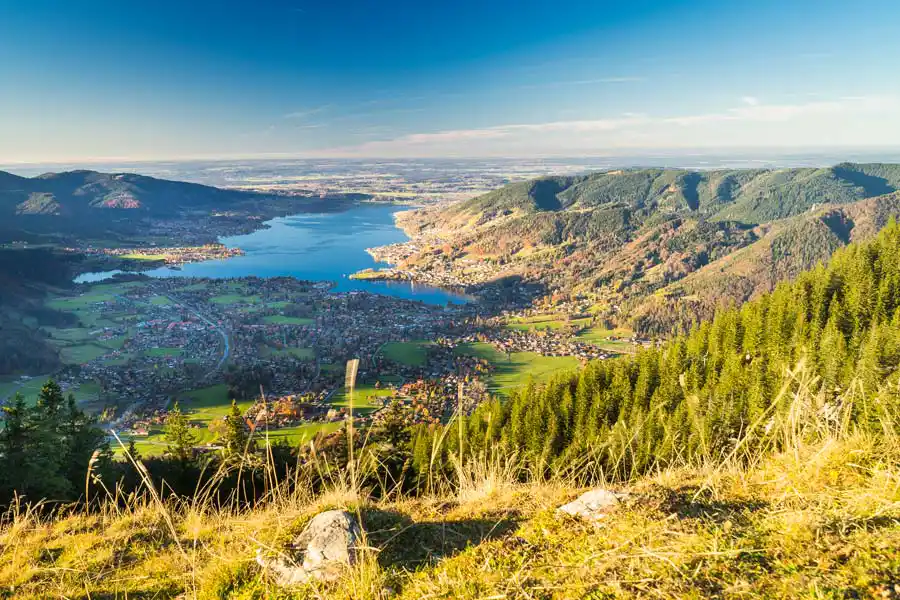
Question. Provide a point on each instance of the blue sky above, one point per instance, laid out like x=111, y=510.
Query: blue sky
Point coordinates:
x=90, y=79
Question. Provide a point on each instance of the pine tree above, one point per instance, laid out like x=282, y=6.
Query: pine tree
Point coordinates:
x=236, y=437
x=133, y=451
x=704, y=388
x=179, y=437
x=82, y=438
x=14, y=443
x=48, y=450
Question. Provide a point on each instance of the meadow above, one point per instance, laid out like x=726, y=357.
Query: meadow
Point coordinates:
x=514, y=370
x=413, y=354
x=85, y=393
x=365, y=396
x=546, y=321
x=599, y=336
x=284, y=320
x=301, y=353
x=235, y=299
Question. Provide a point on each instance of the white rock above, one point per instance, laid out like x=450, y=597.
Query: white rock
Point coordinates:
x=327, y=545
x=594, y=505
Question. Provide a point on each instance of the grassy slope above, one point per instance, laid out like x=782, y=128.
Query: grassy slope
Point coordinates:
x=822, y=521
x=514, y=371
x=625, y=235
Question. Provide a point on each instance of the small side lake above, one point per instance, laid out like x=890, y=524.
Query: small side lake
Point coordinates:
x=314, y=247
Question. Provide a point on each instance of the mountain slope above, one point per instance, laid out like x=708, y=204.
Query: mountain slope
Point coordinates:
x=621, y=236
x=78, y=193
x=750, y=196
x=786, y=249
x=79, y=206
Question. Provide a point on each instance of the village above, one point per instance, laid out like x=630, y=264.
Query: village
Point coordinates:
x=177, y=255
x=278, y=346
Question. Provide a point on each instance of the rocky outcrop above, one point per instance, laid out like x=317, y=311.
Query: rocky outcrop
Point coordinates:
x=327, y=545
x=594, y=505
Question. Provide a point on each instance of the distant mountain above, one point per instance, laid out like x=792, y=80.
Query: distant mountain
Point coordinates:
x=82, y=193
x=630, y=236
x=76, y=206
x=746, y=195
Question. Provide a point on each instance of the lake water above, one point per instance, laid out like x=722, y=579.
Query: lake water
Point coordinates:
x=314, y=247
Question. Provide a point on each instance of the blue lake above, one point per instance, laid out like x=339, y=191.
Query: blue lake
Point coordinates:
x=314, y=247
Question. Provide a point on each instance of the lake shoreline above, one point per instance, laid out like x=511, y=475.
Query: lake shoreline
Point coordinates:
x=314, y=247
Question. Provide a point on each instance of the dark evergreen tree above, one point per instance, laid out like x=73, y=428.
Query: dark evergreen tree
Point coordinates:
x=179, y=437
x=236, y=437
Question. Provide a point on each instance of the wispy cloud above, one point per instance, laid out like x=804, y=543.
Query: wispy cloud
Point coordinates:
x=631, y=129
x=307, y=112
x=756, y=111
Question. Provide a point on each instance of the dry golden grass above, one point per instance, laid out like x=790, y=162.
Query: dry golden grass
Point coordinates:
x=805, y=506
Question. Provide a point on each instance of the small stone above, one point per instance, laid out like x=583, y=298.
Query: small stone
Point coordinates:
x=327, y=545
x=594, y=505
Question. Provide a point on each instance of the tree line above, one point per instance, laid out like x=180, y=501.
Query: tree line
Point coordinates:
x=696, y=394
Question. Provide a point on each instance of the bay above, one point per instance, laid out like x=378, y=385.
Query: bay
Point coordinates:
x=313, y=247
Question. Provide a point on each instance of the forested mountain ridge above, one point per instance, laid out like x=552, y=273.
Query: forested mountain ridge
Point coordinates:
x=835, y=332
x=749, y=196
x=622, y=236
x=77, y=206
x=73, y=193
x=784, y=249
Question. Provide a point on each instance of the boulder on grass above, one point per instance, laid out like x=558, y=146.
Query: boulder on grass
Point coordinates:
x=594, y=505
x=327, y=545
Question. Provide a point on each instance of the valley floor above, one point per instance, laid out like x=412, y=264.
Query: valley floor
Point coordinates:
x=822, y=521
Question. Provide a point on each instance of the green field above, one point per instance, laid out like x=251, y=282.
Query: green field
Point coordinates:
x=120, y=360
x=85, y=392
x=283, y=320
x=207, y=404
x=115, y=343
x=82, y=353
x=155, y=443
x=202, y=407
x=76, y=303
x=299, y=434
x=414, y=354
x=363, y=397
x=103, y=292
x=162, y=352
x=160, y=301
x=145, y=446
x=514, y=371
x=235, y=299
x=302, y=353
x=29, y=389
x=74, y=334
x=148, y=257
x=538, y=322
x=599, y=337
